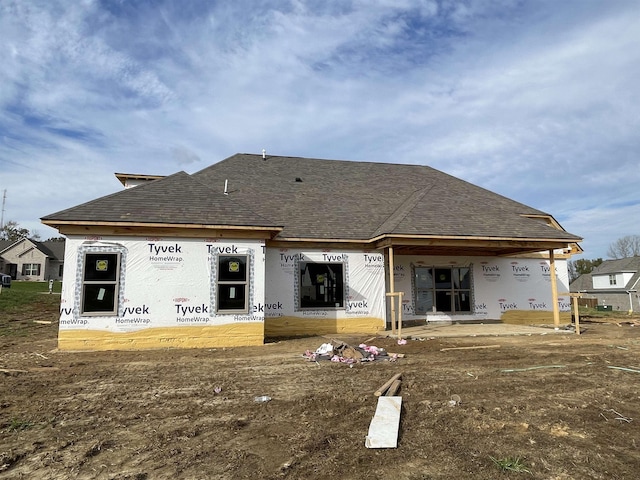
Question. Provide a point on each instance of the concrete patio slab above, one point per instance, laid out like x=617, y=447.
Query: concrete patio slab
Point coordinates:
x=475, y=330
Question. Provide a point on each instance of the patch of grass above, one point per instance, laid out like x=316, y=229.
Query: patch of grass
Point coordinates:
x=26, y=293
x=25, y=302
x=510, y=464
x=605, y=314
x=17, y=425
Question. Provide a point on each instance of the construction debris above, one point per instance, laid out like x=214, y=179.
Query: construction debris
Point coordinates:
x=340, y=352
x=385, y=424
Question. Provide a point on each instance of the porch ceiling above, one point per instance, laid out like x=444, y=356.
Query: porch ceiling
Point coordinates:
x=448, y=247
x=462, y=251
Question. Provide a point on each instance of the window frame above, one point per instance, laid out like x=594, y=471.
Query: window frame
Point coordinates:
x=449, y=286
x=246, y=284
x=613, y=280
x=116, y=282
x=340, y=287
x=27, y=269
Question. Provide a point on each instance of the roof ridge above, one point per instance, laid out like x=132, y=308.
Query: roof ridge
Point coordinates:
x=400, y=213
x=617, y=265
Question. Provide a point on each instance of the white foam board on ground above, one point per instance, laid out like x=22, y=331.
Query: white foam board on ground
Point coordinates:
x=385, y=424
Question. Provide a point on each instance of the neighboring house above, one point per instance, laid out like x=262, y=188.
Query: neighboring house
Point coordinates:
x=259, y=246
x=614, y=283
x=3, y=245
x=28, y=259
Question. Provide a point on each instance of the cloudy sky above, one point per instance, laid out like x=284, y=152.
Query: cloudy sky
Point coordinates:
x=536, y=100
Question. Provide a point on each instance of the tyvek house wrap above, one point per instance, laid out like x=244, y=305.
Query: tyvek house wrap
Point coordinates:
x=166, y=295
x=363, y=309
x=502, y=287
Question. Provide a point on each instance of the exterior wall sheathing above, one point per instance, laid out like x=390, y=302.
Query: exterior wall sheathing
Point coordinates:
x=168, y=289
x=166, y=295
x=512, y=290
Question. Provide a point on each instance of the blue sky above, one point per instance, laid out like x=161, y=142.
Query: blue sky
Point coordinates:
x=536, y=100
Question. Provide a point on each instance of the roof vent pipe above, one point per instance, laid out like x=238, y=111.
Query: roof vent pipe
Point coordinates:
x=226, y=184
x=264, y=154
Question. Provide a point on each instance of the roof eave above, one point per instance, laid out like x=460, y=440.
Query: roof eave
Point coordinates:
x=440, y=245
x=71, y=227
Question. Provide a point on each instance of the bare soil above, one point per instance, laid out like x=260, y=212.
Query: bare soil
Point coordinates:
x=192, y=414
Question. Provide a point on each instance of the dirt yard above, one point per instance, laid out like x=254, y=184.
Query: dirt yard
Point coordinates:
x=192, y=414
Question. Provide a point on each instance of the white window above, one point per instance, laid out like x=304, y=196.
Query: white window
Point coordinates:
x=31, y=269
x=322, y=285
x=612, y=280
x=233, y=284
x=100, y=284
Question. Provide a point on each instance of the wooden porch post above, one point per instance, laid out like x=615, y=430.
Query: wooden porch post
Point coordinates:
x=576, y=312
x=554, y=291
x=392, y=289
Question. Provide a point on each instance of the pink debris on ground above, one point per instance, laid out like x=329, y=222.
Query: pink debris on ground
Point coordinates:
x=340, y=352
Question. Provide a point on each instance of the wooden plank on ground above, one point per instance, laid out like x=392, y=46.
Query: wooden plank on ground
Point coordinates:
x=393, y=389
x=384, y=387
x=475, y=347
x=385, y=424
x=12, y=370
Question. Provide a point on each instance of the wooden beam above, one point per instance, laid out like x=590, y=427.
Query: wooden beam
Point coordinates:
x=318, y=243
x=148, y=231
x=576, y=314
x=387, y=384
x=393, y=389
x=554, y=290
x=471, y=241
x=392, y=290
x=400, y=315
x=89, y=223
x=475, y=347
x=576, y=308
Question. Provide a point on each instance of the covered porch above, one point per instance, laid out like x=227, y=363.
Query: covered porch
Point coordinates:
x=510, y=250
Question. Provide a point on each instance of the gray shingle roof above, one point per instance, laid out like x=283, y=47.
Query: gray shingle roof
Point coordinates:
x=322, y=199
x=582, y=283
x=54, y=250
x=176, y=199
x=621, y=265
x=4, y=244
x=629, y=264
x=360, y=200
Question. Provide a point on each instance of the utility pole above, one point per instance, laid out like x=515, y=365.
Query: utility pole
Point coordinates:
x=4, y=199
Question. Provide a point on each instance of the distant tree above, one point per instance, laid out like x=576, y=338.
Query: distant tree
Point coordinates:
x=624, y=247
x=11, y=231
x=582, y=266
x=55, y=239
